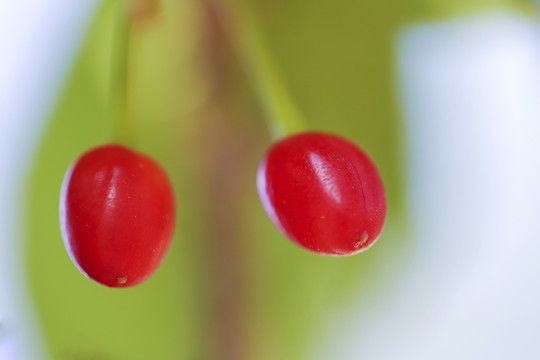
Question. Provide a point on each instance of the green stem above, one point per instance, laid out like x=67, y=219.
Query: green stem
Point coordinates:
x=124, y=129
x=246, y=35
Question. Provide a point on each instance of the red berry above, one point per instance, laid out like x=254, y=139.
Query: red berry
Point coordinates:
x=117, y=214
x=323, y=192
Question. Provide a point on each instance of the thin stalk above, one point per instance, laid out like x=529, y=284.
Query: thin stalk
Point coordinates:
x=248, y=41
x=123, y=128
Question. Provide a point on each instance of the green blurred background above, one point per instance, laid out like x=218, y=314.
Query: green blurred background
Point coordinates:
x=231, y=286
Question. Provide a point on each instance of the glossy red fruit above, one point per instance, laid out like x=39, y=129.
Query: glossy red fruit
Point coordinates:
x=323, y=192
x=117, y=215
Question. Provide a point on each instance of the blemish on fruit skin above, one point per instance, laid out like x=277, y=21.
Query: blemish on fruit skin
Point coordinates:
x=122, y=279
x=363, y=239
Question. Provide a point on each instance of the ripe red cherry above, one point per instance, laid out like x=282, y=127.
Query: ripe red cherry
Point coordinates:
x=117, y=214
x=323, y=192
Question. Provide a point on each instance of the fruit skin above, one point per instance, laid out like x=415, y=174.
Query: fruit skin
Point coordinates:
x=117, y=215
x=323, y=192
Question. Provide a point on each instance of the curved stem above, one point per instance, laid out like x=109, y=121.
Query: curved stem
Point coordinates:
x=247, y=39
x=124, y=129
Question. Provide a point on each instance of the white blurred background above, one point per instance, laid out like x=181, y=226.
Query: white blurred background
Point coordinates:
x=38, y=42
x=470, y=88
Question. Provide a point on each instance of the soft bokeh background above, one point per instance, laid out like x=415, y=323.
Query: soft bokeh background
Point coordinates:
x=445, y=97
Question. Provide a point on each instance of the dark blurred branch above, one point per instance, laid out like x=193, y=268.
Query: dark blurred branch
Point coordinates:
x=226, y=156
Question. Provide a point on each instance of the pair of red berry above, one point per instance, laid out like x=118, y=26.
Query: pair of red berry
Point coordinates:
x=117, y=207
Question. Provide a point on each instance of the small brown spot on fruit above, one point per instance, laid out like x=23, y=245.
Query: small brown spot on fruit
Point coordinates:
x=363, y=239
x=122, y=279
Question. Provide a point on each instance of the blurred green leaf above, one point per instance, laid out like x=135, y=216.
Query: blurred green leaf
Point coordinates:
x=228, y=263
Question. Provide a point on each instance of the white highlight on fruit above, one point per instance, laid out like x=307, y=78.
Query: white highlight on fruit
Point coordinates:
x=324, y=175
